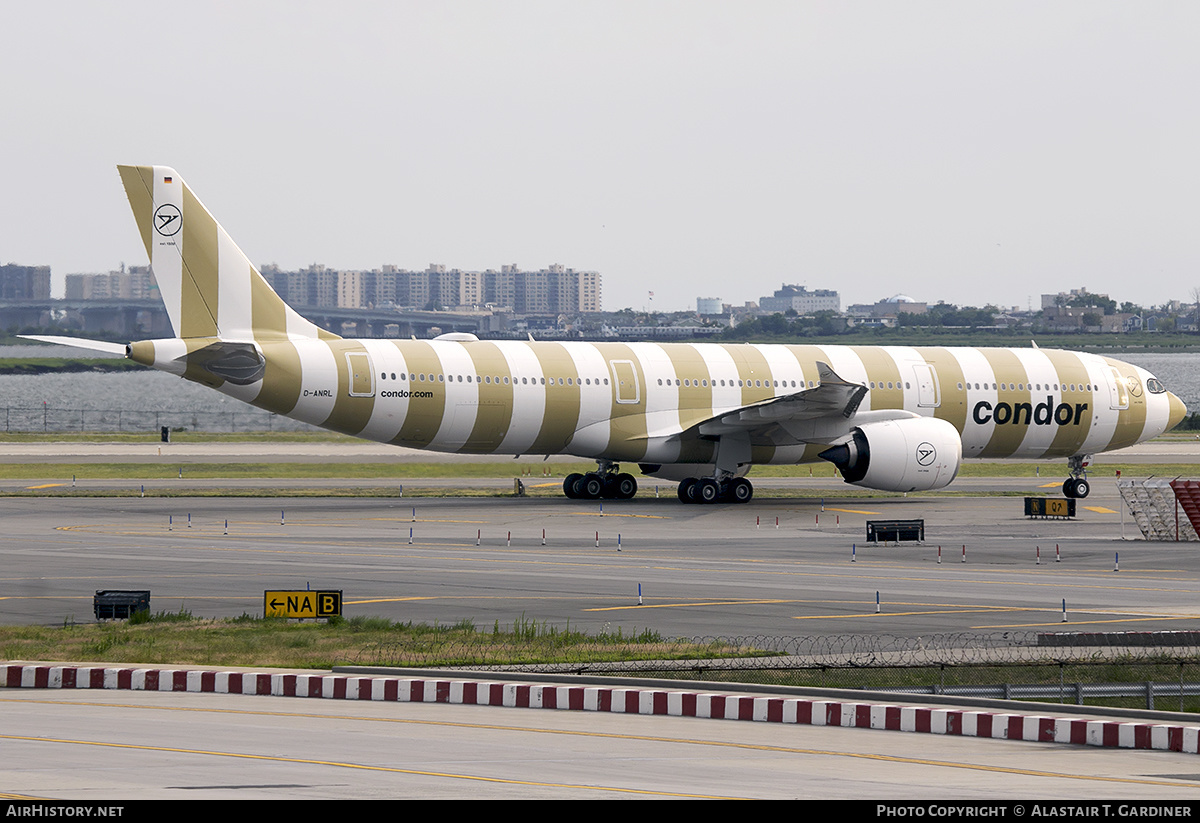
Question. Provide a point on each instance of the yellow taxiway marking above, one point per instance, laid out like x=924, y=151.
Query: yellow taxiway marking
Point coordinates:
x=611, y=514
x=46, y=486
x=388, y=600
x=1100, y=510
x=347, y=765
x=923, y=613
x=687, y=605
x=850, y=511
x=399, y=520
x=719, y=744
x=1049, y=485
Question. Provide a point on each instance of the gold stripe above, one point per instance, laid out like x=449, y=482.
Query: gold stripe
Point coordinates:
x=1068, y=369
x=949, y=373
x=350, y=414
x=881, y=369
x=627, y=421
x=268, y=313
x=695, y=396
x=1131, y=422
x=1008, y=370
x=1176, y=411
x=806, y=358
x=494, y=413
x=751, y=366
x=139, y=188
x=424, y=416
x=142, y=352
x=200, y=276
x=282, y=378
x=195, y=373
x=561, y=415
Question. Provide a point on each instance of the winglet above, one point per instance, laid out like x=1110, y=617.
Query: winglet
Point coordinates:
x=830, y=377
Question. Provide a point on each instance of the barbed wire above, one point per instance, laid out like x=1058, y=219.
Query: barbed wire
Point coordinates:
x=767, y=653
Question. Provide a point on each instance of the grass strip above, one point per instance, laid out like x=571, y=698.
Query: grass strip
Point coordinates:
x=181, y=639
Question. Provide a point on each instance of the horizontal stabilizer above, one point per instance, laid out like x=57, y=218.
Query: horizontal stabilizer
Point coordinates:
x=117, y=349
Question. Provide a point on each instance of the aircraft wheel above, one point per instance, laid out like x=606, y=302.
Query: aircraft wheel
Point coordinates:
x=625, y=486
x=685, y=490
x=741, y=490
x=569, y=485
x=1082, y=487
x=1070, y=487
x=589, y=487
x=707, y=491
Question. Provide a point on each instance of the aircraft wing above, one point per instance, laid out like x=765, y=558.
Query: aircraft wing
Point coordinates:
x=821, y=414
x=832, y=396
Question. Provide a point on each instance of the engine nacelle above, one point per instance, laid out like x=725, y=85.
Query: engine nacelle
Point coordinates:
x=907, y=455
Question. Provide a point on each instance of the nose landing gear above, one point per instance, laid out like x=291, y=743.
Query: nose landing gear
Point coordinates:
x=1077, y=485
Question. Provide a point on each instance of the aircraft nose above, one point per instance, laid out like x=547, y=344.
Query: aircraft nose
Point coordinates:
x=1176, y=411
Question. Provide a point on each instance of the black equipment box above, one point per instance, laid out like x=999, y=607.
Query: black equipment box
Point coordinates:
x=120, y=605
x=895, y=531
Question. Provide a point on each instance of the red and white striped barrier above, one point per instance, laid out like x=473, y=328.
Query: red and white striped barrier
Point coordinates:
x=966, y=723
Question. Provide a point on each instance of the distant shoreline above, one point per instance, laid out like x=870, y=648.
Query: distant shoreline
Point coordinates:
x=63, y=365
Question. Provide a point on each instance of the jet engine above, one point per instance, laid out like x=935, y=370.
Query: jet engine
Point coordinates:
x=906, y=455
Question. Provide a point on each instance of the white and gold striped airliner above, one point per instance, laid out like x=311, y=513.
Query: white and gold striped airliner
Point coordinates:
x=892, y=418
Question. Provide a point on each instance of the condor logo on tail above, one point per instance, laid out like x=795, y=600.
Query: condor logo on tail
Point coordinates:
x=1022, y=414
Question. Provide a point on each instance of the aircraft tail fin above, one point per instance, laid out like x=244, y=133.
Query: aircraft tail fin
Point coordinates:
x=209, y=286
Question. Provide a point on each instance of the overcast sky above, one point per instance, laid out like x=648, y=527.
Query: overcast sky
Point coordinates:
x=972, y=152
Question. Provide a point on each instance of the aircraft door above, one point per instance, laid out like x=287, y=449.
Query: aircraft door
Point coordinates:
x=626, y=380
x=1118, y=392
x=362, y=376
x=927, y=387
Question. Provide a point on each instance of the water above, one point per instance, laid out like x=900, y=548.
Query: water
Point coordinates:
x=145, y=400
x=125, y=401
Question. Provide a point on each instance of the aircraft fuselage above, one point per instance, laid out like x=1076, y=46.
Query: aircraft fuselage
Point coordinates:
x=644, y=402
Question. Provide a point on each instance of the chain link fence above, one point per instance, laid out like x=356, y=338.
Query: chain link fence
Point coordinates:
x=1127, y=669
x=50, y=419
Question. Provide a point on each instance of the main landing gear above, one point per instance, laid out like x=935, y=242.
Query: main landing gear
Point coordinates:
x=1077, y=485
x=710, y=490
x=607, y=482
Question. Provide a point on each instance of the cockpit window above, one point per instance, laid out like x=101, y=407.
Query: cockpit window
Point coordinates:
x=1155, y=386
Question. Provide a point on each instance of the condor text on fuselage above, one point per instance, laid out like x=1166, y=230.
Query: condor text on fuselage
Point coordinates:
x=1023, y=414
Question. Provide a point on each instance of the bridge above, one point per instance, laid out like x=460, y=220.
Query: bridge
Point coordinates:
x=143, y=319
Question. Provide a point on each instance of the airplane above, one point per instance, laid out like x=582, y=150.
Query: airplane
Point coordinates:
x=890, y=418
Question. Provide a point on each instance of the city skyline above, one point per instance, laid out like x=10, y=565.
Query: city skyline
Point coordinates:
x=981, y=153
x=555, y=289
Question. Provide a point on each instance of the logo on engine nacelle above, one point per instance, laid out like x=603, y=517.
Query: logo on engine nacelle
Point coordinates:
x=926, y=454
